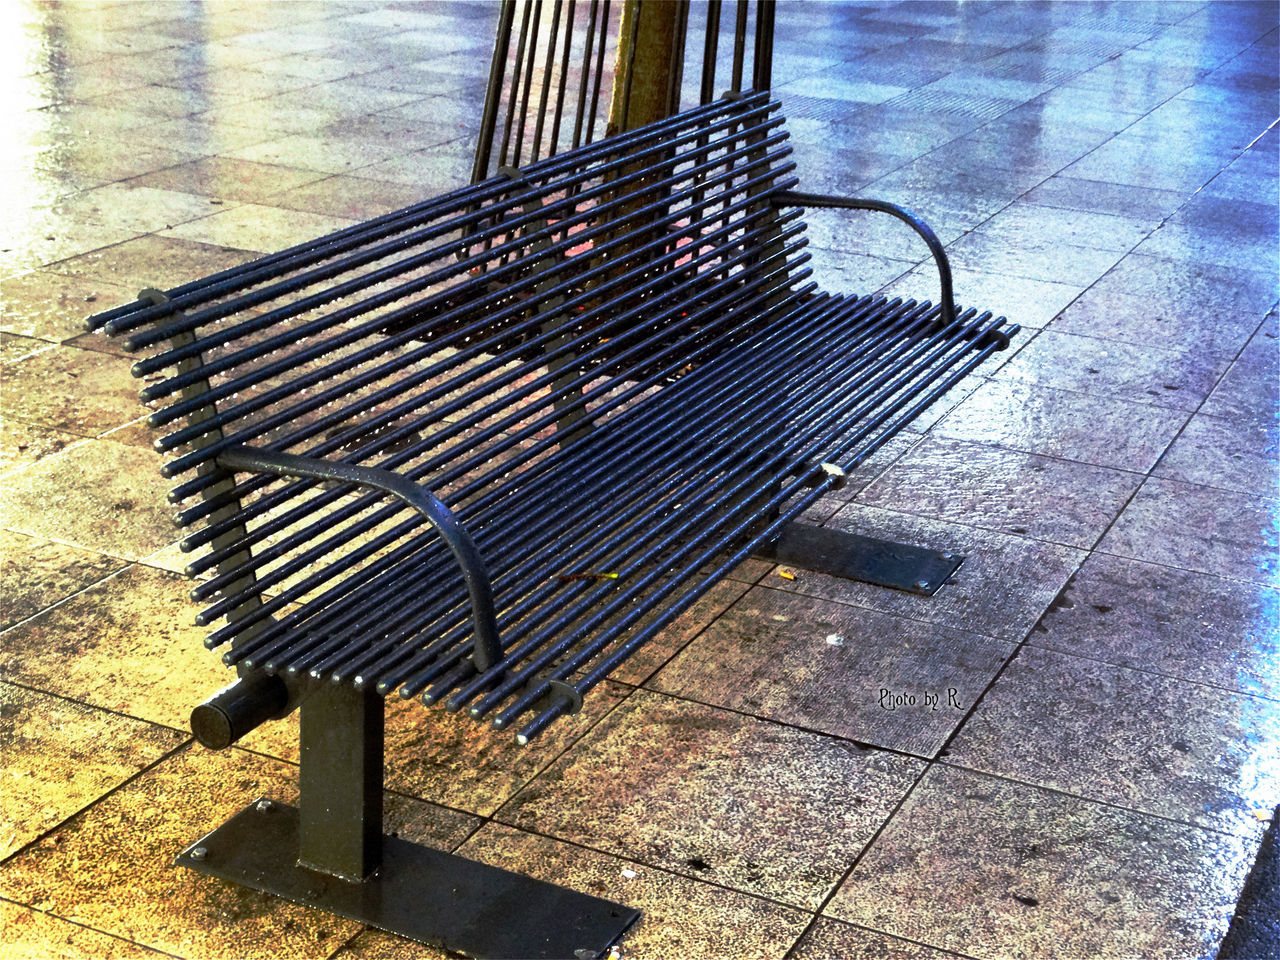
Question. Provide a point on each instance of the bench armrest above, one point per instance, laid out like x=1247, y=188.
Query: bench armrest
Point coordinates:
x=790, y=198
x=488, y=650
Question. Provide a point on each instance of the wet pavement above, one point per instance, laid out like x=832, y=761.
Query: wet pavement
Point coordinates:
x=1071, y=750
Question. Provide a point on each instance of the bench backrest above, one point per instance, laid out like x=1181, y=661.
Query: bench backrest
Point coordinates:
x=459, y=342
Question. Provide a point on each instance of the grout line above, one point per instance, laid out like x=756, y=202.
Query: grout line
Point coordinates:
x=85, y=926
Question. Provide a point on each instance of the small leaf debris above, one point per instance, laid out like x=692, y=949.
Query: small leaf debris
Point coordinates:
x=570, y=577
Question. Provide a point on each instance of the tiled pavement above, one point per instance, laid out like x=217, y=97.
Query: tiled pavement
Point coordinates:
x=1094, y=750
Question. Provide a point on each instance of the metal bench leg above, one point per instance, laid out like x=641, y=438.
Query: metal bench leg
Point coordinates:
x=330, y=853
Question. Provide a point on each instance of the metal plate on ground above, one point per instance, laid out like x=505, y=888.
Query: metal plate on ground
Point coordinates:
x=423, y=894
x=841, y=554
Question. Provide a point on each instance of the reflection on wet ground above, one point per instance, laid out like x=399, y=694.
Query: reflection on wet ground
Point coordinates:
x=1090, y=760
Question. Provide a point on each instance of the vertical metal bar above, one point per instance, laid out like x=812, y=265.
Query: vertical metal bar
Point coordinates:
x=528, y=82
x=564, y=79
x=547, y=70
x=514, y=96
x=676, y=80
x=710, y=50
x=623, y=116
x=586, y=73
x=340, y=782
x=493, y=93
x=739, y=45
x=595, y=92
x=762, y=75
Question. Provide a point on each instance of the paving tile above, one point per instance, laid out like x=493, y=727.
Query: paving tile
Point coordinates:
x=681, y=917
x=28, y=251
x=1199, y=528
x=431, y=171
x=61, y=756
x=1150, y=743
x=1144, y=204
x=878, y=679
x=1013, y=492
x=127, y=644
x=325, y=154
x=454, y=760
x=82, y=392
x=1176, y=282
x=39, y=573
x=23, y=443
x=1238, y=455
x=31, y=933
x=994, y=869
x=101, y=495
x=830, y=939
x=53, y=307
x=1024, y=223
x=1030, y=303
x=14, y=347
x=1189, y=326
x=1000, y=590
x=349, y=197
x=1178, y=241
x=676, y=636
x=230, y=179
x=1165, y=374
x=1063, y=424
x=162, y=262
x=1034, y=256
x=1222, y=215
x=801, y=808
x=253, y=226
x=135, y=208
x=1173, y=622
x=111, y=868
x=1250, y=389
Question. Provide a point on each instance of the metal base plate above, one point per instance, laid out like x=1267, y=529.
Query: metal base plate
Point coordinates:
x=882, y=562
x=423, y=894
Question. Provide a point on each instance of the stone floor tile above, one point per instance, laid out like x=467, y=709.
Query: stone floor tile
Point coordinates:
x=100, y=495
x=430, y=171
x=51, y=306
x=831, y=939
x=1021, y=222
x=1000, y=590
x=676, y=636
x=1127, y=164
x=995, y=869
x=1026, y=494
x=1250, y=389
x=801, y=808
x=82, y=392
x=127, y=645
x=1239, y=455
x=874, y=678
x=161, y=262
x=23, y=443
x=1030, y=303
x=1222, y=215
x=38, y=573
x=30, y=933
x=1199, y=528
x=1033, y=256
x=681, y=916
x=1064, y=424
x=1145, y=204
x=325, y=154
x=451, y=759
x=229, y=179
x=111, y=868
x=31, y=251
x=349, y=197
x=253, y=226
x=61, y=756
x=1189, y=326
x=1188, y=286
x=1161, y=620
x=14, y=348
x=139, y=209
x=1166, y=374
x=1150, y=743
x=1237, y=185
x=1178, y=241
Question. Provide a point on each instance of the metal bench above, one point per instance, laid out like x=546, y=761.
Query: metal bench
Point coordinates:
x=480, y=450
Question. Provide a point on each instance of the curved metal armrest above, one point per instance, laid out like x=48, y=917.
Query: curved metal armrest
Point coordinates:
x=488, y=650
x=789, y=198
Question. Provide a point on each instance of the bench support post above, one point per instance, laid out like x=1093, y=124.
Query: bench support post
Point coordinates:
x=330, y=853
